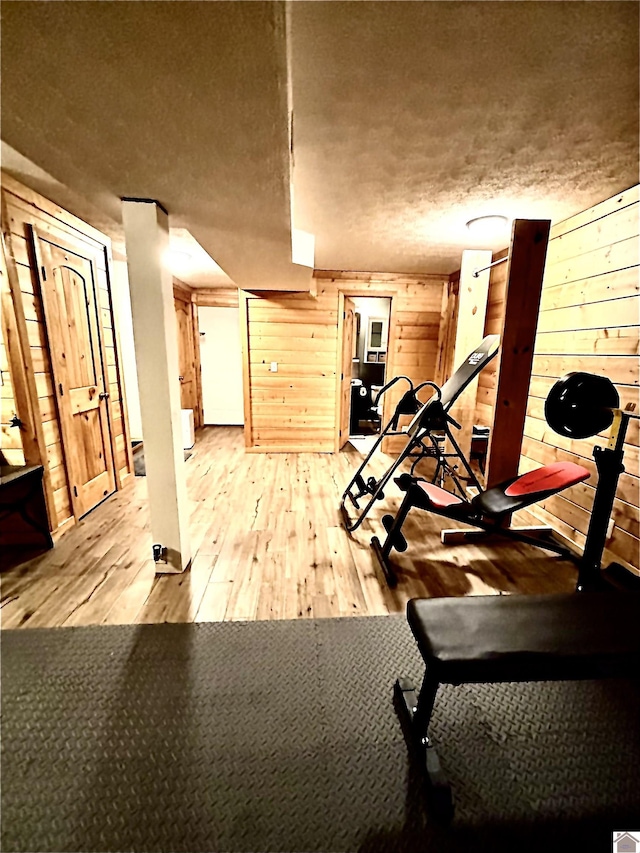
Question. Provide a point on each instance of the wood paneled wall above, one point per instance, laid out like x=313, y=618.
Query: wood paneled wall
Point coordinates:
x=589, y=317
x=296, y=408
x=21, y=208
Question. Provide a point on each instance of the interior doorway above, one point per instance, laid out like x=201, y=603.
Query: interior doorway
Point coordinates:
x=366, y=335
x=221, y=366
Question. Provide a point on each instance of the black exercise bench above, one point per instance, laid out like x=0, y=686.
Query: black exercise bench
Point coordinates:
x=490, y=639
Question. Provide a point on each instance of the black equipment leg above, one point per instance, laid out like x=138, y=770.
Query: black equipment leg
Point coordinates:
x=417, y=713
x=394, y=539
x=609, y=465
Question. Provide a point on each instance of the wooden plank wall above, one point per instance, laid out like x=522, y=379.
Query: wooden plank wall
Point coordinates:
x=588, y=321
x=23, y=207
x=295, y=408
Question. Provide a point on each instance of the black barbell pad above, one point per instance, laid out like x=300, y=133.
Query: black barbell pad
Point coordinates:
x=580, y=405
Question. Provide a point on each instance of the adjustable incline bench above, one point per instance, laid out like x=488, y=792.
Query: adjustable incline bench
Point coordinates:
x=490, y=639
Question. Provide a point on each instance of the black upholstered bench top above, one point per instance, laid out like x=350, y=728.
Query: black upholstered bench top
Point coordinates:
x=528, y=637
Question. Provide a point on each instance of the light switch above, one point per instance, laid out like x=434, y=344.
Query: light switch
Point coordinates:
x=274, y=367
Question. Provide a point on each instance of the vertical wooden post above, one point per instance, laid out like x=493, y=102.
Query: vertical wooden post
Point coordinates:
x=146, y=228
x=527, y=255
x=472, y=310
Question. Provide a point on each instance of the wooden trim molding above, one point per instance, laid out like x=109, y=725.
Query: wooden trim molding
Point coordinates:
x=197, y=362
x=126, y=432
x=338, y=406
x=246, y=377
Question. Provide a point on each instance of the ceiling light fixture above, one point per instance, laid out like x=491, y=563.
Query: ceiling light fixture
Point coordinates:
x=488, y=226
x=178, y=261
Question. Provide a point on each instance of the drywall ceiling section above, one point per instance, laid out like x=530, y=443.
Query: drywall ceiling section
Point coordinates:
x=182, y=102
x=193, y=265
x=412, y=118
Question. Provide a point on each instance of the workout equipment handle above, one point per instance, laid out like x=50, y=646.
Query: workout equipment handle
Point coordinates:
x=389, y=384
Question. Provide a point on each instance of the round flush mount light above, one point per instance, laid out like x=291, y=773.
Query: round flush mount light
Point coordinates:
x=488, y=226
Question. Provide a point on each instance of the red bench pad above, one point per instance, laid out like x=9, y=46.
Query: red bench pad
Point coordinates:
x=550, y=478
x=439, y=498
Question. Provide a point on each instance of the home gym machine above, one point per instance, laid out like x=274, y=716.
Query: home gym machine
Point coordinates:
x=492, y=639
x=424, y=435
x=579, y=405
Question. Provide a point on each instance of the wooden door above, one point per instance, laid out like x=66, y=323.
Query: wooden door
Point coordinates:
x=69, y=297
x=348, y=343
x=186, y=355
x=221, y=360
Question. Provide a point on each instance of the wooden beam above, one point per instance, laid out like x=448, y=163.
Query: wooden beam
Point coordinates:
x=527, y=255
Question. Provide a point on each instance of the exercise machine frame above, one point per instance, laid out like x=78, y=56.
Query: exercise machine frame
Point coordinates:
x=569, y=394
x=430, y=418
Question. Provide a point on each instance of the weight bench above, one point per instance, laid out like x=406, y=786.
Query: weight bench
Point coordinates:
x=490, y=639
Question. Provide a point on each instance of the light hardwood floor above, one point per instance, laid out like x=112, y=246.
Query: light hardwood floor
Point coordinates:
x=268, y=544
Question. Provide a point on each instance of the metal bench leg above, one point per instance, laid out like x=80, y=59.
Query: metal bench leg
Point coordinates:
x=394, y=539
x=417, y=710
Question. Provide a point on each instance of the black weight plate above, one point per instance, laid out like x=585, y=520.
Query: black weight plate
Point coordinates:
x=579, y=405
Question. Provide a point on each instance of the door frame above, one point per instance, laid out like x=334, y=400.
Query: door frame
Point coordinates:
x=348, y=292
x=92, y=258
x=180, y=294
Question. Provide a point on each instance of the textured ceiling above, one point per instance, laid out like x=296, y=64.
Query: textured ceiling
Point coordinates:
x=184, y=102
x=409, y=119
x=412, y=118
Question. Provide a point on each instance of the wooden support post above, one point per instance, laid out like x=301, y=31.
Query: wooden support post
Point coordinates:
x=527, y=255
x=146, y=228
x=472, y=310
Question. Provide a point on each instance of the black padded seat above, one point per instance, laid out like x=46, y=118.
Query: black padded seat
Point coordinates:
x=491, y=638
x=528, y=637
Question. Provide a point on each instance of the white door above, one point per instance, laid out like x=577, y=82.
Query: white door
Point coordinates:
x=221, y=362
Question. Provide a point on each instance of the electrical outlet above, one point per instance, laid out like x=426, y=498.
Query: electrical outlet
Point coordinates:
x=274, y=367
